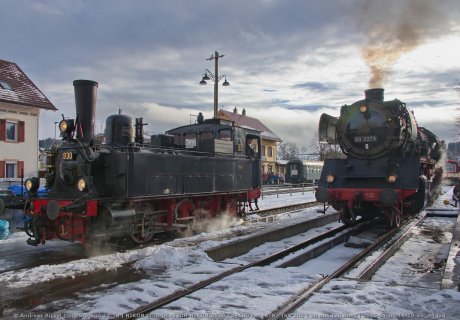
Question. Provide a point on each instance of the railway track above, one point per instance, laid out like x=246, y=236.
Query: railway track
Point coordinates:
x=65, y=285
x=393, y=239
x=328, y=240
x=282, y=209
x=169, y=304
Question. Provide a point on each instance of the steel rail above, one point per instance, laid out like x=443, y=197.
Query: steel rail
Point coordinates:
x=283, y=209
x=144, y=310
x=298, y=299
x=370, y=270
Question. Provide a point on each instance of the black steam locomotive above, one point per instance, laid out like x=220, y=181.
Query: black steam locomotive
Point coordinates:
x=389, y=164
x=125, y=187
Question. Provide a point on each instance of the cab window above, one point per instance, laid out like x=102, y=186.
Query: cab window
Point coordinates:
x=225, y=134
x=206, y=135
x=190, y=140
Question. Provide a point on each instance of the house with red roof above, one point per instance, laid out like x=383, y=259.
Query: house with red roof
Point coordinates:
x=20, y=105
x=269, y=138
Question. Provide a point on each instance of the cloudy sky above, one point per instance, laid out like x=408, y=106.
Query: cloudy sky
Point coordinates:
x=287, y=61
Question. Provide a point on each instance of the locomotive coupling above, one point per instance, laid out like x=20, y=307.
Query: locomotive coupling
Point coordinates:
x=388, y=197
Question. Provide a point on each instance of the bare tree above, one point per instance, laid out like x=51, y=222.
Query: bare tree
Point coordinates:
x=287, y=151
x=456, y=88
x=330, y=151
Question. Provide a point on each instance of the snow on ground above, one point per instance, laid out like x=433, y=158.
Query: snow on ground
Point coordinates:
x=179, y=263
x=403, y=288
x=24, y=278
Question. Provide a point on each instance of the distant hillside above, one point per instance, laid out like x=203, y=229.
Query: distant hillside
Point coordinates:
x=45, y=144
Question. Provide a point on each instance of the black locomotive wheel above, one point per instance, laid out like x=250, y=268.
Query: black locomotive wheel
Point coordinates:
x=232, y=207
x=347, y=216
x=143, y=224
x=184, y=216
x=208, y=208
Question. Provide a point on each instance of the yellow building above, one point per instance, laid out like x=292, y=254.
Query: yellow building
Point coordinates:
x=269, y=138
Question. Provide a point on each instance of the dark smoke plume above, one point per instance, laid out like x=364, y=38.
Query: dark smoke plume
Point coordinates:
x=394, y=28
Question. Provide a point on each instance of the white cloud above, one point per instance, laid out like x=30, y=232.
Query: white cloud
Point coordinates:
x=285, y=60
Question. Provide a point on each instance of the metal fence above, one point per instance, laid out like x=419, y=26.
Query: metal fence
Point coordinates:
x=269, y=190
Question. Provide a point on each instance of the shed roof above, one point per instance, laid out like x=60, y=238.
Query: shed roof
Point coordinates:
x=17, y=88
x=243, y=120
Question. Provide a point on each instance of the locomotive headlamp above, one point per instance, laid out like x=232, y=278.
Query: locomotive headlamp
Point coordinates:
x=66, y=126
x=82, y=185
x=32, y=184
x=330, y=178
x=63, y=125
x=392, y=177
x=363, y=108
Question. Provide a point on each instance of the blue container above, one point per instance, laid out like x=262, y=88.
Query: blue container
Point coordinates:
x=17, y=189
x=4, y=229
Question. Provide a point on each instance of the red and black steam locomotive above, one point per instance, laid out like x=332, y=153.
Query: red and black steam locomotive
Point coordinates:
x=389, y=164
x=125, y=187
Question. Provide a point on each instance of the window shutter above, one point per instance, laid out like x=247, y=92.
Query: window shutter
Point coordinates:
x=2, y=129
x=20, y=173
x=21, y=131
x=2, y=169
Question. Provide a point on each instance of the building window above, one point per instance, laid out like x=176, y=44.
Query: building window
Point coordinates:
x=270, y=151
x=10, y=170
x=11, y=133
x=12, y=130
x=263, y=150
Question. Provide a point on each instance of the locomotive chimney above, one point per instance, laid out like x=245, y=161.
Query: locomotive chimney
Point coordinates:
x=85, y=105
x=374, y=94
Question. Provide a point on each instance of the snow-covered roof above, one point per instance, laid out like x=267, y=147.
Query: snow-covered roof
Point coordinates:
x=244, y=121
x=17, y=88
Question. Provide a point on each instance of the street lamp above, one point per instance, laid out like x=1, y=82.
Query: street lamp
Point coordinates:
x=215, y=78
x=55, y=123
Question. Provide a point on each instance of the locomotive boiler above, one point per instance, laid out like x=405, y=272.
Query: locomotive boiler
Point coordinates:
x=127, y=188
x=389, y=163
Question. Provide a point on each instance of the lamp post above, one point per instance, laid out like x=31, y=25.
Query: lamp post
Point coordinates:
x=215, y=78
x=55, y=123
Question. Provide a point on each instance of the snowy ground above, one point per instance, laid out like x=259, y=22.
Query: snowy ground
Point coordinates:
x=173, y=265
x=406, y=287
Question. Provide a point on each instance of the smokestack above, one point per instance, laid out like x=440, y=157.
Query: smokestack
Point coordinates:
x=85, y=105
x=374, y=94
